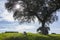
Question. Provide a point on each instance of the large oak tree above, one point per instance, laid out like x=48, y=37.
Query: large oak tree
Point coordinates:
x=28, y=10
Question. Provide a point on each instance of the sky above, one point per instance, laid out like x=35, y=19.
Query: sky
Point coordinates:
x=7, y=22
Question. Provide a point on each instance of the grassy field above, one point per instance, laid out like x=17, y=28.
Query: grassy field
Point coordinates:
x=29, y=36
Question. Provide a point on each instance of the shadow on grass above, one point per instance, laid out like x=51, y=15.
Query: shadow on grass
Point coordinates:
x=54, y=37
x=13, y=38
x=16, y=38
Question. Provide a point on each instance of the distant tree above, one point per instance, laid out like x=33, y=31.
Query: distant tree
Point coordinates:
x=10, y=32
x=53, y=33
x=28, y=10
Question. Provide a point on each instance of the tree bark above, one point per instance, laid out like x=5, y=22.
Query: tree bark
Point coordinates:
x=43, y=24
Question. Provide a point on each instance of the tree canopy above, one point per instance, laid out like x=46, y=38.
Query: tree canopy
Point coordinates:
x=44, y=10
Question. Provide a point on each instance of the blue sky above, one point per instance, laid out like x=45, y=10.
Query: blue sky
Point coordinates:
x=7, y=22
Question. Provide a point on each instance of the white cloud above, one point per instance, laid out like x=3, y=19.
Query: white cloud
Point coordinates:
x=7, y=16
x=19, y=28
x=55, y=30
x=24, y=27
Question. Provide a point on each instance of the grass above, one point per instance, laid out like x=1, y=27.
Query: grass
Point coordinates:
x=29, y=36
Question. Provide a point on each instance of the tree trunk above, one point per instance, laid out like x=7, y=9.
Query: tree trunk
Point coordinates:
x=43, y=24
x=44, y=29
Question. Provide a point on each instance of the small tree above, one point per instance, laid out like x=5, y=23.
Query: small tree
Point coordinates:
x=28, y=10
